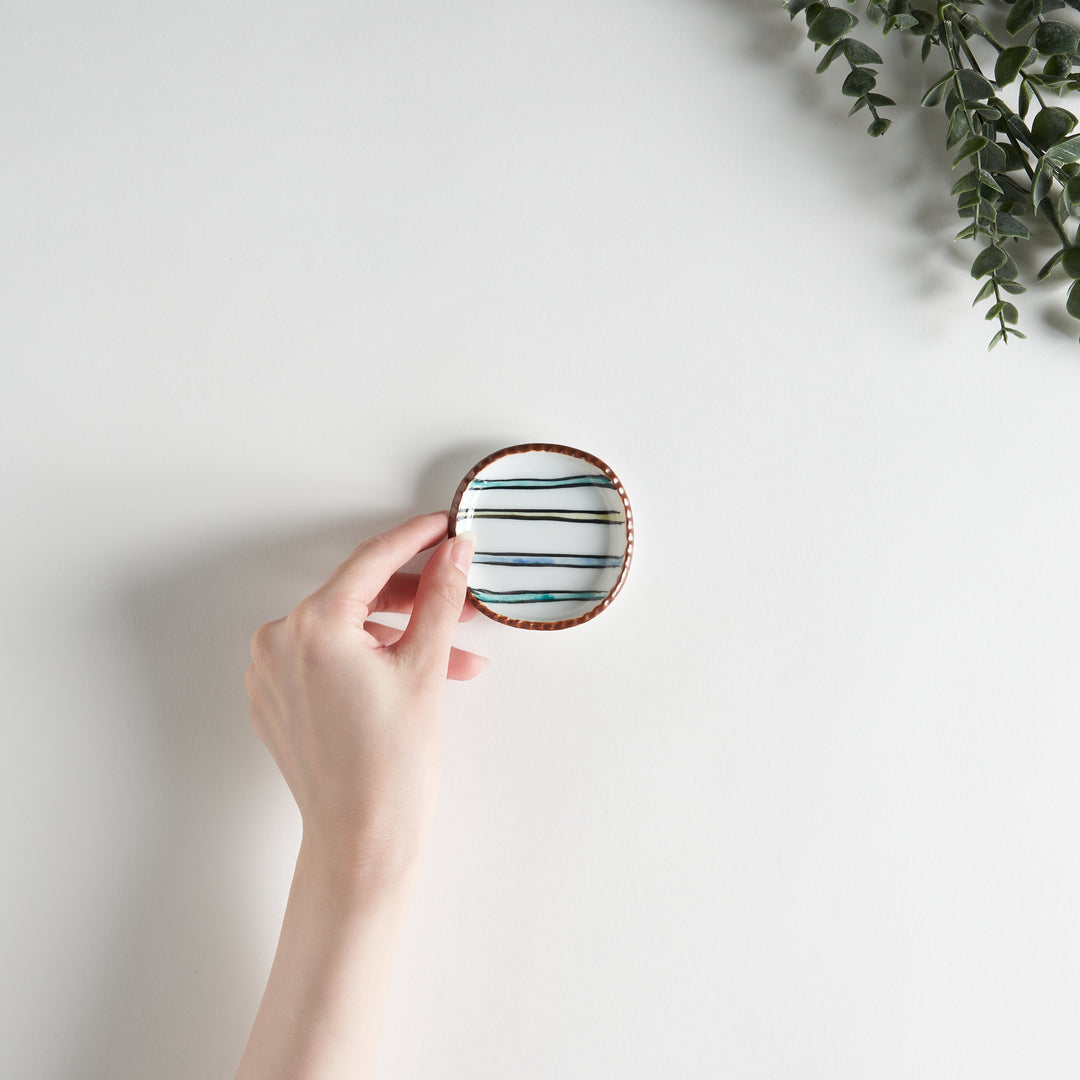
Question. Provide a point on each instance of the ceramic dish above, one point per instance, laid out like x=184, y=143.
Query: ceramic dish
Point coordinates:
x=554, y=535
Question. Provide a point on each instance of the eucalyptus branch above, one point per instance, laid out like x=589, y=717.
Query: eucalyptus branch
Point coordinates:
x=1013, y=167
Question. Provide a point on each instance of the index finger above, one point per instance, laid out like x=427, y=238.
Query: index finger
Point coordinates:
x=362, y=576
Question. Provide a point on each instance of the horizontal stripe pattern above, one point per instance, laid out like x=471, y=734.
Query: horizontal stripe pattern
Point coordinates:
x=535, y=558
x=551, y=537
x=536, y=482
x=523, y=596
x=552, y=513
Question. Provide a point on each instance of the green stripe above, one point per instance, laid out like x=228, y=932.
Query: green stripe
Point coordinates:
x=520, y=596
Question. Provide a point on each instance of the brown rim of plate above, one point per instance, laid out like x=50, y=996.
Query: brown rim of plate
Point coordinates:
x=569, y=451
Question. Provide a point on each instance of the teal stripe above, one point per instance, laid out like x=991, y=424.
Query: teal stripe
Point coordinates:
x=541, y=482
x=520, y=596
x=510, y=559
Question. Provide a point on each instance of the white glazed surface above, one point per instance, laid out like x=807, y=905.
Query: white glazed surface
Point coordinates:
x=529, y=554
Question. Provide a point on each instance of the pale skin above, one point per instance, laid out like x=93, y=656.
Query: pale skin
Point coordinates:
x=352, y=713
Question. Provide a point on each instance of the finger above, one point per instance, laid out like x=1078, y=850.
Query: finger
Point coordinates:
x=461, y=666
x=362, y=576
x=425, y=645
x=398, y=594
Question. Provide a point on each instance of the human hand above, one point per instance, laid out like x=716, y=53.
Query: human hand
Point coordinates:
x=352, y=710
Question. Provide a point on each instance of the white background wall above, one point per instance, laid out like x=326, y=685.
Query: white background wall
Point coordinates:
x=802, y=803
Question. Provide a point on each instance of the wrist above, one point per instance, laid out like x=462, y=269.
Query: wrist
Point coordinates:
x=347, y=875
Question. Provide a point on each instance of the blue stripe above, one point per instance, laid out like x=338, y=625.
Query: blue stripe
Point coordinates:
x=490, y=558
x=521, y=596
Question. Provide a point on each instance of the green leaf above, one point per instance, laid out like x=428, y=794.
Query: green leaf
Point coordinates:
x=937, y=91
x=986, y=290
x=860, y=104
x=988, y=260
x=793, y=7
x=973, y=86
x=966, y=233
x=858, y=53
x=1005, y=311
x=925, y=21
x=968, y=182
x=831, y=25
x=1013, y=287
x=858, y=82
x=1063, y=152
x=1040, y=187
x=1010, y=61
x=970, y=26
x=1021, y=14
x=1045, y=272
x=1023, y=100
x=900, y=22
x=995, y=339
x=927, y=48
x=879, y=101
x=1057, y=68
x=1072, y=304
x=879, y=127
x=1072, y=190
x=1070, y=262
x=830, y=55
x=970, y=199
x=1051, y=125
x=958, y=128
x=970, y=148
x=994, y=157
x=1007, y=225
x=1056, y=37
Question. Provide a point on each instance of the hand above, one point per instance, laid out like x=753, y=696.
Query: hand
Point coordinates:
x=352, y=710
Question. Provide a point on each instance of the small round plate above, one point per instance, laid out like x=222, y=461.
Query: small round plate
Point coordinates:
x=554, y=535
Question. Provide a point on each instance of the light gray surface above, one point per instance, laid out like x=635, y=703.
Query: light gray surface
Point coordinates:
x=802, y=803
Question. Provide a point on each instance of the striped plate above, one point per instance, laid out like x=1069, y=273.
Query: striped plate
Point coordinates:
x=554, y=535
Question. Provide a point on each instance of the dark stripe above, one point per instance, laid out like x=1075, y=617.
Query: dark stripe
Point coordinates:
x=539, y=558
x=523, y=596
x=549, y=513
x=542, y=482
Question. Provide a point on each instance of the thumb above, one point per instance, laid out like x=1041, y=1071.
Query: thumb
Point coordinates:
x=440, y=596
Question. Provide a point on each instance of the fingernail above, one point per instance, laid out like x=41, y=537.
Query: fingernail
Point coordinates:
x=461, y=550
x=485, y=665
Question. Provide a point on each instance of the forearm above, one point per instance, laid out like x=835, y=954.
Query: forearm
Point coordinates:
x=322, y=1012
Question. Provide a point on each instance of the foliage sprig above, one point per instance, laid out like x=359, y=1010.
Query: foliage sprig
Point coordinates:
x=995, y=71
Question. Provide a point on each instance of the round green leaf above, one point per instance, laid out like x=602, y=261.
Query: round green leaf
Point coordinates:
x=1056, y=37
x=858, y=82
x=987, y=261
x=830, y=26
x=1009, y=63
x=1057, y=67
x=1022, y=13
x=879, y=127
x=1070, y=261
x=1072, y=190
x=859, y=53
x=974, y=86
x=994, y=157
x=1051, y=125
x=1072, y=305
x=924, y=22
